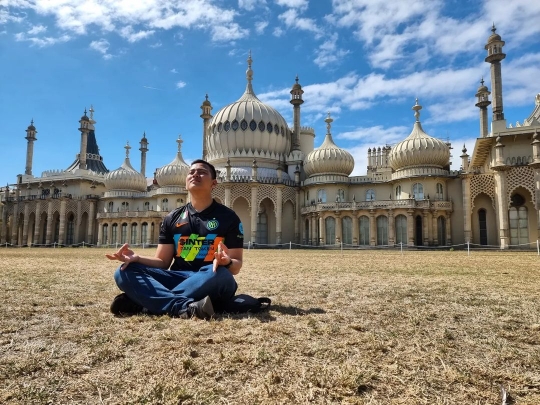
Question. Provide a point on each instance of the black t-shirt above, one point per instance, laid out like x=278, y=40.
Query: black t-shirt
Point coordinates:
x=196, y=235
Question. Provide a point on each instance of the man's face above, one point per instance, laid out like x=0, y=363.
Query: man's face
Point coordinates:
x=200, y=178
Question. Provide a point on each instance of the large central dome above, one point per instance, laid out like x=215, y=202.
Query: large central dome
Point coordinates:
x=248, y=128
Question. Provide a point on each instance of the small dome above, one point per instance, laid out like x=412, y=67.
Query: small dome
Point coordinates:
x=328, y=158
x=31, y=127
x=125, y=177
x=419, y=149
x=494, y=37
x=175, y=173
x=85, y=117
x=206, y=102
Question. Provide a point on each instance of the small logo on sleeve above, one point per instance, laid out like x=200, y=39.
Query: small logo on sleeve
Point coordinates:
x=212, y=224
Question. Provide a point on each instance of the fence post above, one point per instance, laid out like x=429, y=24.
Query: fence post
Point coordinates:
x=468, y=248
x=290, y=245
x=401, y=244
x=538, y=247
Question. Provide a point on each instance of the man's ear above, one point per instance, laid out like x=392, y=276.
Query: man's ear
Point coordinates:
x=214, y=183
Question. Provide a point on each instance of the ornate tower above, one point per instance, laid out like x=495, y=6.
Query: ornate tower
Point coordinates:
x=483, y=101
x=296, y=101
x=206, y=108
x=85, y=129
x=494, y=48
x=143, y=149
x=30, y=137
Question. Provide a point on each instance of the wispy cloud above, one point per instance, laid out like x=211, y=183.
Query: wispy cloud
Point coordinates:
x=180, y=85
x=38, y=29
x=151, y=88
x=261, y=26
x=101, y=46
x=41, y=41
x=173, y=70
x=329, y=53
x=132, y=36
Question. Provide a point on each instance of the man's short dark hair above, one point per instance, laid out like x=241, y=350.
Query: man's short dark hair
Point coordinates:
x=208, y=165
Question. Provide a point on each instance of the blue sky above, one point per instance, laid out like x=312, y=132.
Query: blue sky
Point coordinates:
x=146, y=66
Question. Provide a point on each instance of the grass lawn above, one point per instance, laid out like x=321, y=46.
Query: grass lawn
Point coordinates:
x=358, y=327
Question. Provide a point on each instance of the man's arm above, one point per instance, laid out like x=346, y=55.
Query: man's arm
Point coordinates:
x=162, y=259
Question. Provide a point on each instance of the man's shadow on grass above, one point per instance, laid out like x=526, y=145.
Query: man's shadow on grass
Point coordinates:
x=267, y=316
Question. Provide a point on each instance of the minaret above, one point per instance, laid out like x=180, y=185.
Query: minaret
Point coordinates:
x=85, y=129
x=296, y=101
x=30, y=137
x=464, y=159
x=143, y=149
x=495, y=55
x=483, y=101
x=206, y=107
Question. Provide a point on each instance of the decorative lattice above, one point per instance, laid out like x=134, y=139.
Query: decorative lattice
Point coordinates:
x=266, y=191
x=289, y=194
x=241, y=190
x=482, y=183
x=219, y=193
x=520, y=176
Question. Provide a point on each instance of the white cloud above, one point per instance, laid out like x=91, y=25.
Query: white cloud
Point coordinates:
x=250, y=4
x=329, y=53
x=129, y=34
x=180, y=85
x=102, y=46
x=43, y=41
x=38, y=29
x=278, y=32
x=228, y=32
x=261, y=26
x=156, y=45
x=302, y=4
x=292, y=19
x=173, y=70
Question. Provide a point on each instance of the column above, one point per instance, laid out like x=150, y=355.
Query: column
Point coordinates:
x=91, y=215
x=434, y=215
x=502, y=208
x=3, y=232
x=297, y=217
x=448, y=229
x=322, y=231
x=467, y=214
x=48, y=231
x=425, y=226
x=313, y=230
x=372, y=228
x=279, y=212
x=228, y=196
x=391, y=228
x=254, y=213
x=355, y=232
x=99, y=233
x=38, y=223
x=25, y=224
x=78, y=219
x=15, y=225
x=148, y=234
x=61, y=234
x=410, y=227
x=128, y=233
x=339, y=235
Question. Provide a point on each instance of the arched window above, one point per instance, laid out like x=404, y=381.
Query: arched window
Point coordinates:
x=330, y=230
x=114, y=233
x=363, y=227
x=105, y=233
x=382, y=230
x=144, y=232
x=134, y=239
x=262, y=227
x=440, y=193
x=519, y=229
x=110, y=206
x=346, y=230
x=147, y=206
x=482, y=226
x=441, y=230
x=370, y=195
x=401, y=229
x=124, y=233
x=70, y=230
x=418, y=191
x=398, y=193
x=321, y=196
x=125, y=206
x=306, y=232
x=165, y=204
x=340, y=197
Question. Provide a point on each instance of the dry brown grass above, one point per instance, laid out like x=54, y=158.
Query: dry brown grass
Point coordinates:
x=362, y=327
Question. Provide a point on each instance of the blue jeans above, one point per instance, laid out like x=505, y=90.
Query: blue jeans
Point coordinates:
x=171, y=291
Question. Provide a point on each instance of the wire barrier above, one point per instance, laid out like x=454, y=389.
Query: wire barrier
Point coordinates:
x=401, y=247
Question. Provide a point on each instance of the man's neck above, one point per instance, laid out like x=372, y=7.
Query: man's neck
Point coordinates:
x=201, y=203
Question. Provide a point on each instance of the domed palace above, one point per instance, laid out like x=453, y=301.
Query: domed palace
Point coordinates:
x=287, y=190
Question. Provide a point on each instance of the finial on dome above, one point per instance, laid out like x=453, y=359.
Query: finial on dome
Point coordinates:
x=493, y=29
x=127, y=148
x=482, y=81
x=417, y=107
x=206, y=96
x=464, y=150
x=249, y=74
x=296, y=80
x=91, y=110
x=179, y=141
x=328, y=121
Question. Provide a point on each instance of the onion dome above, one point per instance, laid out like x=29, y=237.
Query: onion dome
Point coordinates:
x=175, y=173
x=248, y=127
x=483, y=88
x=125, y=177
x=494, y=37
x=31, y=127
x=328, y=158
x=419, y=149
x=85, y=117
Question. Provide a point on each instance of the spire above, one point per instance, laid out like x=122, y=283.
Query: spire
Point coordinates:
x=179, y=141
x=417, y=107
x=249, y=75
x=127, y=148
x=328, y=121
